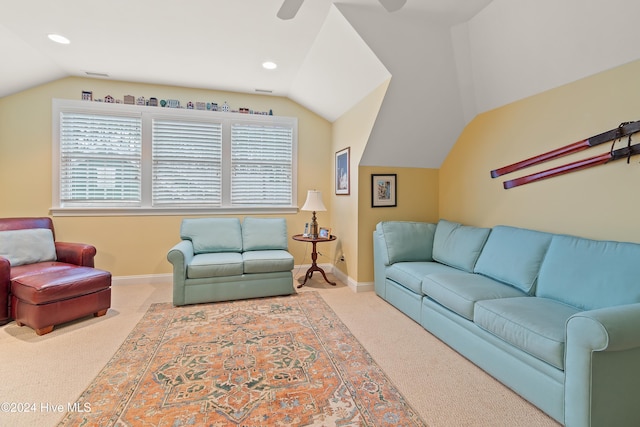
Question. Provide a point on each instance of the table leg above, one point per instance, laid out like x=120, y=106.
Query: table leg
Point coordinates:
x=314, y=267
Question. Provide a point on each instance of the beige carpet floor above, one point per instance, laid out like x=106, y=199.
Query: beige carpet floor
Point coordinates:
x=43, y=376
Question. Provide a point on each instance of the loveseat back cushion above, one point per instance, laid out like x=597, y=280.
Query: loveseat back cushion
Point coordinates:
x=211, y=235
x=259, y=234
x=590, y=274
x=458, y=245
x=27, y=246
x=407, y=241
x=513, y=256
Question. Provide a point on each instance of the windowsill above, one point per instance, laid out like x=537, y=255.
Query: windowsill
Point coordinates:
x=171, y=211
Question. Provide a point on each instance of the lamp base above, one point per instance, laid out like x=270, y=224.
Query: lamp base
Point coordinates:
x=313, y=231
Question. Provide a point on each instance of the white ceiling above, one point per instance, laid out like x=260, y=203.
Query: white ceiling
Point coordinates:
x=209, y=44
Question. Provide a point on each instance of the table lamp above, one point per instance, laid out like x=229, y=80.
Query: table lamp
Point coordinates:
x=314, y=204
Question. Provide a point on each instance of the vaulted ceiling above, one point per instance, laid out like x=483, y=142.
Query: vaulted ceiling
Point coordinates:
x=322, y=63
x=446, y=60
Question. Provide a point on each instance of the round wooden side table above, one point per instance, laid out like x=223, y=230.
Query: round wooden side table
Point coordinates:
x=314, y=256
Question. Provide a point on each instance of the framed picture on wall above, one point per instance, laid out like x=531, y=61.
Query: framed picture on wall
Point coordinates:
x=384, y=190
x=343, y=181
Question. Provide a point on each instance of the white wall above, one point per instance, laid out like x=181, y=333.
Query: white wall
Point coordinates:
x=421, y=115
x=519, y=48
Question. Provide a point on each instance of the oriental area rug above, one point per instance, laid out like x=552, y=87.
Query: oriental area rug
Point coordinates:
x=283, y=361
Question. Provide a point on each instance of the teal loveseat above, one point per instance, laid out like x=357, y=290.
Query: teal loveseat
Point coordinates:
x=220, y=259
x=554, y=317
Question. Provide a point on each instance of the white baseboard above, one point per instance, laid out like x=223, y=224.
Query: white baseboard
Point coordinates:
x=167, y=278
x=151, y=279
x=330, y=268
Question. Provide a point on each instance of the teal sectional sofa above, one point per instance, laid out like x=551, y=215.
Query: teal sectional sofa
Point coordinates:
x=554, y=317
x=220, y=259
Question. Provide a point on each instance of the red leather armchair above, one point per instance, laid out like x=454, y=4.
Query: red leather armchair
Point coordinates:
x=44, y=294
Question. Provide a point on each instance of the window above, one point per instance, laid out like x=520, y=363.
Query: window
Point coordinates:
x=124, y=159
x=187, y=163
x=100, y=158
x=261, y=164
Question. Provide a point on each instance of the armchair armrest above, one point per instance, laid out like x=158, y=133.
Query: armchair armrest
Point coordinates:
x=5, y=270
x=180, y=256
x=76, y=253
x=602, y=373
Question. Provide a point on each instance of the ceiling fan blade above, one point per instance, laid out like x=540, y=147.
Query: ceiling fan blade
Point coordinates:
x=392, y=5
x=289, y=9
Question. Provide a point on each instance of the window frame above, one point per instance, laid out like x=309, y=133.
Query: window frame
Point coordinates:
x=147, y=115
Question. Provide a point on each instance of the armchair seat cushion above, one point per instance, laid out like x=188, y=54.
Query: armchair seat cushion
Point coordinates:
x=269, y=261
x=218, y=264
x=47, y=282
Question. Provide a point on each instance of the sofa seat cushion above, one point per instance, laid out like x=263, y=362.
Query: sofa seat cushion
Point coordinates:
x=47, y=282
x=268, y=261
x=459, y=291
x=410, y=274
x=215, y=265
x=534, y=325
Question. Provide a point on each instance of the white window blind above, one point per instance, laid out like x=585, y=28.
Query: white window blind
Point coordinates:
x=187, y=163
x=261, y=164
x=100, y=157
x=115, y=159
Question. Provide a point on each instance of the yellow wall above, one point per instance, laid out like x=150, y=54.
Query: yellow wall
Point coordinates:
x=133, y=245
x=352, y=217
x=601, y=202
x=351, y=130
x=417, y=197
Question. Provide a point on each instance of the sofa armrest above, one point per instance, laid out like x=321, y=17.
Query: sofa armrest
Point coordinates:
x=602, y=373
x=5, y=271
x=380, y=262
x=76, y=253
x=180, y=256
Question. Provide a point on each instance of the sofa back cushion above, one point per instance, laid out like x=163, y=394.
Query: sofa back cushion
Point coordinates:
x=458, y=245
x=260, y=234
x=513, y=256
x=590, y=274
x=27, y=246
x=210, y=235
x=407, y=241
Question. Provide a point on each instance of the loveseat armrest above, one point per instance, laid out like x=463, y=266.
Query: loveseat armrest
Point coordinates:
x=5, y=274
x=180, y=256
x=76, y=253
x=602, y=374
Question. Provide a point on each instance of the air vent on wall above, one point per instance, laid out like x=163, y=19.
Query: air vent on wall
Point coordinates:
x=93, y=74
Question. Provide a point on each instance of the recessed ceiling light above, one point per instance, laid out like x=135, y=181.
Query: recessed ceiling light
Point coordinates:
x=269, y=65
x=59, y=39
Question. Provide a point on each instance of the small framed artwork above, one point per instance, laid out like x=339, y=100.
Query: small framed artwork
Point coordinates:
x=324, y=233
x=384, y=190
x=342, y=172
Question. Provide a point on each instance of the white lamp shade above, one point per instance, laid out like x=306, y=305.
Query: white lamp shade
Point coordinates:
x=314, y=202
